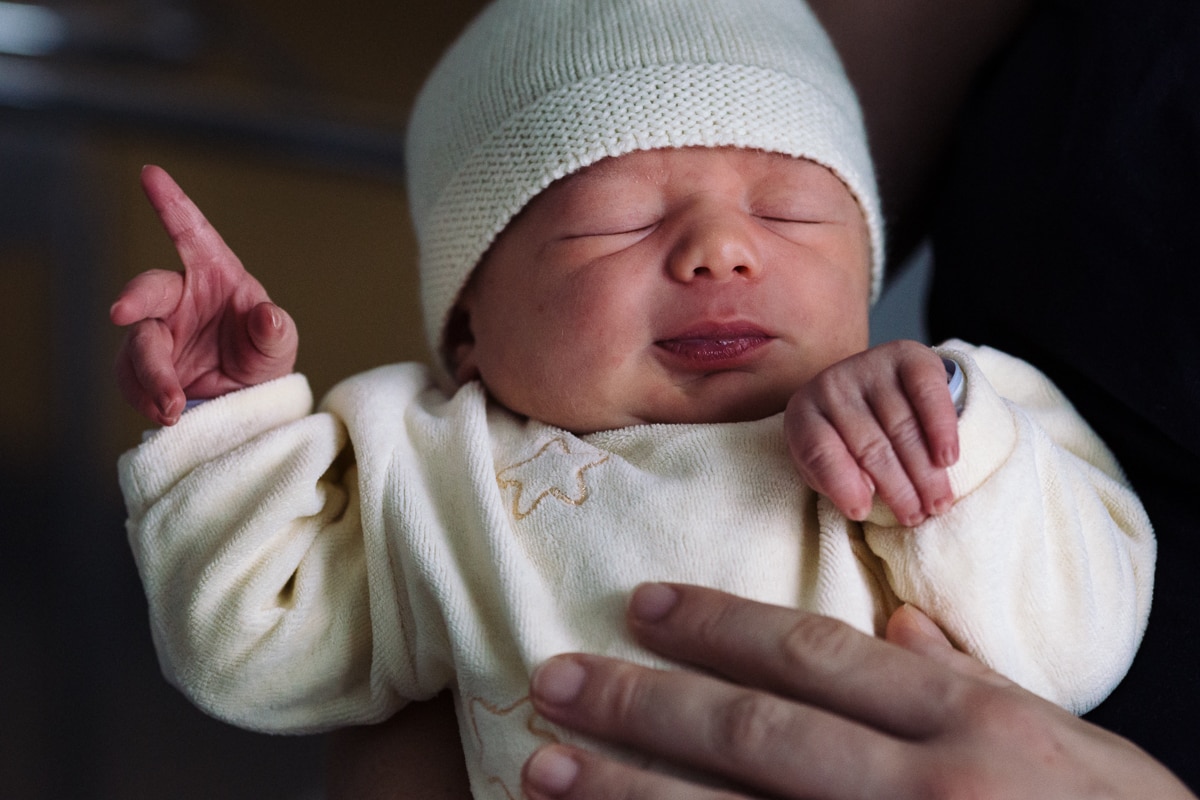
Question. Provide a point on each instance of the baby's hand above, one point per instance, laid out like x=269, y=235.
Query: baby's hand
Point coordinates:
x=201, y=333
x=879, y=422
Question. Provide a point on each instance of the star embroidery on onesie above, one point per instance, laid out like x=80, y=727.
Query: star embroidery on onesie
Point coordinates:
x=497, y=726
x=557, y=470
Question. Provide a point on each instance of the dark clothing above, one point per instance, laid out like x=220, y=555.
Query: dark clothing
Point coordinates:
x=1069, y=235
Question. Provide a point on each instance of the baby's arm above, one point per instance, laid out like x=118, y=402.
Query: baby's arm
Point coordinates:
x=201, y=333
x=246, y=520
x=244, y=515
x=1043, y=567
x=881, y=422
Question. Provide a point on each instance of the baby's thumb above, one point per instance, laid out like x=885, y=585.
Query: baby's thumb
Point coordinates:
x=276, y=342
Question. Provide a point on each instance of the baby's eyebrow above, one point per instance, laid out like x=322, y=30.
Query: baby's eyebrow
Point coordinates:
x=605, y=168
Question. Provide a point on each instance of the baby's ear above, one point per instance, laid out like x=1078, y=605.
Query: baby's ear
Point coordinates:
x=458, y=345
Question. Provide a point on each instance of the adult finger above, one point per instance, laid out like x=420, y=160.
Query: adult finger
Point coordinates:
x=149, y=295
x=568, y=773
x=809, y=657
x=196, y=240
x=998, y=740
x=744, y=735
x=911, y=629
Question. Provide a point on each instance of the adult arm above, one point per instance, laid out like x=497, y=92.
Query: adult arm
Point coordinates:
x=797, y=705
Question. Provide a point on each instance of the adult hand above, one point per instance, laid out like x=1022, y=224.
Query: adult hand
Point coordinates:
x=201, y=333
x=801, y=706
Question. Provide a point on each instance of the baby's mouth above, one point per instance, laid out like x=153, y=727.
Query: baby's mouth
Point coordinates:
x=708, y=347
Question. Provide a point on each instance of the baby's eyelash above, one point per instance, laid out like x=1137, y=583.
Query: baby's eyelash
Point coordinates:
x=796, y=218
x=620, y=231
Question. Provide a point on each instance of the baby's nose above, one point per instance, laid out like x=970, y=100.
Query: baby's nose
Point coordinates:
x=717, y=247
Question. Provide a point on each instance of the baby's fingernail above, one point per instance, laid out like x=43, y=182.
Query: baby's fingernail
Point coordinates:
x=858, y=513
x=558, y=681
x=168, y=407
x=551, y=770
x=652, y=601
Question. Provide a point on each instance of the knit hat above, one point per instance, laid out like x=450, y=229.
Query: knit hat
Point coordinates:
x=534, y=90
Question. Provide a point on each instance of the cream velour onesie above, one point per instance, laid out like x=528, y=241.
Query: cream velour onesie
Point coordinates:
x=307, y=571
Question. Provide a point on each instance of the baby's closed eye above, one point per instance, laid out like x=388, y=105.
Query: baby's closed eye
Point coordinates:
x=633, y=226
x=599, y=238
x=791, y=211
x=794, y=225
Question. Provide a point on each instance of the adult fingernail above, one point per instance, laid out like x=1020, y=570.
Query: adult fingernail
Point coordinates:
x=652, y=601
x=551, y=770
x=558, y=681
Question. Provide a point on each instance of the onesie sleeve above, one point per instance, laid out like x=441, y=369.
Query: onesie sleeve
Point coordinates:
x=246, y=526
x=1044, y=566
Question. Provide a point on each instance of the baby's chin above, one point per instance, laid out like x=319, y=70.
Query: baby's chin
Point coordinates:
x=691, y=411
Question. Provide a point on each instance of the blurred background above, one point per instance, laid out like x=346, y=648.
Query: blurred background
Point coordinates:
x=283, y=121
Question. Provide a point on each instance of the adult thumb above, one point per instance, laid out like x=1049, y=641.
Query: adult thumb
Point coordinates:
x=912, y=630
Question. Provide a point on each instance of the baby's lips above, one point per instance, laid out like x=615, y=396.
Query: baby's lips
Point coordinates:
x=708, y=350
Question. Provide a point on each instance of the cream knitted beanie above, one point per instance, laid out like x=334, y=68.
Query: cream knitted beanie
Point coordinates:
x=534, y=90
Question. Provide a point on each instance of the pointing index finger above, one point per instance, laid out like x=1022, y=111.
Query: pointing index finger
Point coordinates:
x=196, y=240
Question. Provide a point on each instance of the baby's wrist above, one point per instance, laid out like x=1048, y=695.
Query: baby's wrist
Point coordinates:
x=956, y=382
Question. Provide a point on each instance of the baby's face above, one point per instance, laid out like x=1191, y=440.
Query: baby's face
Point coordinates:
x=689, y=285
